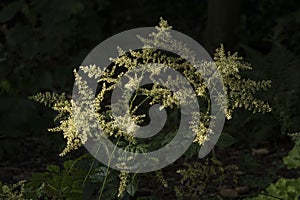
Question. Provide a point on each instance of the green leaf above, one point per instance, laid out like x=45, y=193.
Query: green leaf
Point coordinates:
x=53, y=168
x=8, y=12
x=193, y=150
x=282, y=189
x=67, y=181
x=132, y=186
x=292, y=160
x=225, y=140
x=68, y=164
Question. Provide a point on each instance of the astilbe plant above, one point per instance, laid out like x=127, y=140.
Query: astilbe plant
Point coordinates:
x=239, y=94
x=286, y=188
x=13, y=192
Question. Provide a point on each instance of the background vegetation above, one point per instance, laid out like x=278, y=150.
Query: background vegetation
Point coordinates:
x=43, y=40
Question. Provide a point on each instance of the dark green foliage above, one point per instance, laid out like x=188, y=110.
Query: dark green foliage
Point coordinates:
x=41, y=41
x=58, y=183
x=200, y=180
x=225, y=140
x=292, y=160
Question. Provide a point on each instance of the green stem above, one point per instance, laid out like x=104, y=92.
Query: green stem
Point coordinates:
x=92, y=165
x=140, y=104
x=136, y=91
x=107, y=170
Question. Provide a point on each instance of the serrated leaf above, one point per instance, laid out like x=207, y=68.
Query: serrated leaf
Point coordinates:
x=282, y=189
x=292, y=160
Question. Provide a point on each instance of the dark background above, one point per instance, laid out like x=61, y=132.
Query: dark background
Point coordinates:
x=42, y=41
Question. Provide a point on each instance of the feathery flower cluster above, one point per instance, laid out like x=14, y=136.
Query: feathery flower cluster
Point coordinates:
x=81, y=116
x=240, y=92
x=123, y=182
